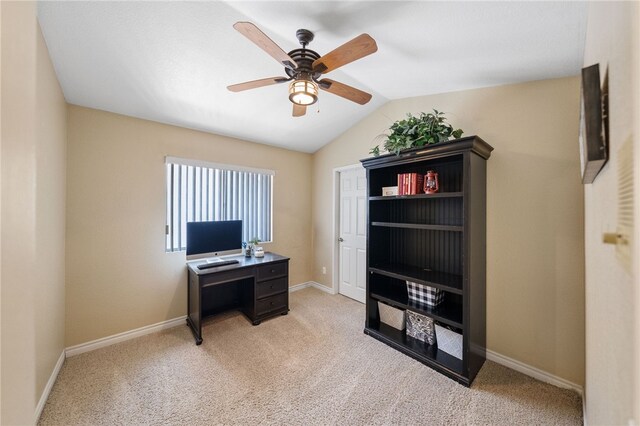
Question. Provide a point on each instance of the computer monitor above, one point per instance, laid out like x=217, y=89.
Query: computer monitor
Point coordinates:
x=211, y=239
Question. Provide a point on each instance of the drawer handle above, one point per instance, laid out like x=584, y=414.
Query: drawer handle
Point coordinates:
x=273, y=271
x=271, y=303
x=271, y=287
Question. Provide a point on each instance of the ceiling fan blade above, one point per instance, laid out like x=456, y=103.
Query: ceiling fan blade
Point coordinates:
x=347, y=92
x=254, y=34
x=357, y=48
x=256, y=83
x=299, y=110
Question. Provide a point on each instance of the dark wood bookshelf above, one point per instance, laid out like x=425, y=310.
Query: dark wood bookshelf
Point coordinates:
x=437, y=240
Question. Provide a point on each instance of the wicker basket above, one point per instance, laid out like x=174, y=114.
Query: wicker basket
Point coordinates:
x=449, y=341
x=391, y=316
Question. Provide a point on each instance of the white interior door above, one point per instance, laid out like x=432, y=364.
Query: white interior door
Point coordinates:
x=353, y=234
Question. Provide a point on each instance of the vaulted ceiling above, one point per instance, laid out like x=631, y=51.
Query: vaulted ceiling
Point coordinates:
x=172, y=61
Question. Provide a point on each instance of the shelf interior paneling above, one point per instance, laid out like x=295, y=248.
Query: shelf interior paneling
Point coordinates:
x=424, y=249
x=449, y=171
x=434, y=211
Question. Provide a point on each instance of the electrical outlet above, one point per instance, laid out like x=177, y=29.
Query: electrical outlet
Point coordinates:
x=324, y=270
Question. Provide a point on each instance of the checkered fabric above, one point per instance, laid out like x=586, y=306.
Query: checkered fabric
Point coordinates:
x=424, y=295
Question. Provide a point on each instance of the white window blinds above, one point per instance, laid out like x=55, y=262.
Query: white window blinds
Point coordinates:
x=198, y=191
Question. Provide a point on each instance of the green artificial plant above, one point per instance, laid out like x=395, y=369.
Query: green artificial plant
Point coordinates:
x=427, y=129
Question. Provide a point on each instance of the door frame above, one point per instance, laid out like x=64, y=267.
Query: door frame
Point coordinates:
x=335, y=247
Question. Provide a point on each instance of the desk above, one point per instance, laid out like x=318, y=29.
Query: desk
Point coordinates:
x=259, y=287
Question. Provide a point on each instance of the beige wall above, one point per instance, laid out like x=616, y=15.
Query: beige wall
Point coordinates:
x=1, y=293
x=33, y=197
x=18, y=222
x=611, y=356
x=118, y=275
x=636, y=238
x=535, y=251
x=51, y=169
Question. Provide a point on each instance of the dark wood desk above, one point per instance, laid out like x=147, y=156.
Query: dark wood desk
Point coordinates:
x=259, y=287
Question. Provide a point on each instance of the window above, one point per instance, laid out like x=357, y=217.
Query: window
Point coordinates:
x=198, y=191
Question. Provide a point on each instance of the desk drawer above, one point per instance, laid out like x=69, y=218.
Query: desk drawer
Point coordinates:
x=271, y=287
x=272, y=303
x=275, y=270
x=216, y=277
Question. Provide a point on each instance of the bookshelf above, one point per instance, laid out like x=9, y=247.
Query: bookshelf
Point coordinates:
x=432, y=239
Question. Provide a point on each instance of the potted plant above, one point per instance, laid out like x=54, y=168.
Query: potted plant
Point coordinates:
x=253, y=244
x=426, y=129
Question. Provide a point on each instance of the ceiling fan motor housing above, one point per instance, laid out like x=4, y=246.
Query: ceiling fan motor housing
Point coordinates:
x=303, y=57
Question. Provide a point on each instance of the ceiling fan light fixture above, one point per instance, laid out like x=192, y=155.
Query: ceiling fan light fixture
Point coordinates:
x=303, y=92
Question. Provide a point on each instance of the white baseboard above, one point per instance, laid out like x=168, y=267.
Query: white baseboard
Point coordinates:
x=299, y=286
x=132, y=334
x=536, y=373
x=49, y=386
x=322, y=287
x=127, y=335
x=584, y=409
x=311, y=284
x=121, y=337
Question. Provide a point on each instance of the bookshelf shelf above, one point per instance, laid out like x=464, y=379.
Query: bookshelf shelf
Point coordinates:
x=416, y=196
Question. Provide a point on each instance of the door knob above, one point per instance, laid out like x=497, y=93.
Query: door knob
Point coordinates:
x=340, y=239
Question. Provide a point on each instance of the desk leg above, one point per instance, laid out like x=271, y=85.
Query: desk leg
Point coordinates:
x=194, y=315
x=193, y=330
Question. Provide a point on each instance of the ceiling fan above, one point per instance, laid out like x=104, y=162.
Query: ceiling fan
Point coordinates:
x=304, y=67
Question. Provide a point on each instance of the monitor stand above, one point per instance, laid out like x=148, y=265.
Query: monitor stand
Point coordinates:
x=214, y=260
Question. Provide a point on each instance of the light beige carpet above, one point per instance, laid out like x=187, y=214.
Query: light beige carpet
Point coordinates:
x=313, y=366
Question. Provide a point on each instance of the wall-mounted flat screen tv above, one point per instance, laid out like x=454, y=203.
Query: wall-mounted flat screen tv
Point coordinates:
x=593, y=124
x=214, y=238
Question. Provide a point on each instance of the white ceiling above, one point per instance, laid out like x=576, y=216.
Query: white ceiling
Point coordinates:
x=171, y=61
